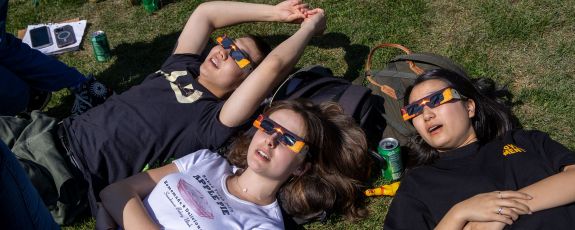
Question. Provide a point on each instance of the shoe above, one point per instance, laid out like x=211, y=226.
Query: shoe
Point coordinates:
x=38, y=100
x=91, y=93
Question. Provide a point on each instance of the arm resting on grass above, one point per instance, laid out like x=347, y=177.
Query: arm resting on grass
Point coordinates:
x=123, y=199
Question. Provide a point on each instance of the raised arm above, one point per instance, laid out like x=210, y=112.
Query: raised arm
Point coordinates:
x=273, y=69
x=123, y=199
x=210, y=16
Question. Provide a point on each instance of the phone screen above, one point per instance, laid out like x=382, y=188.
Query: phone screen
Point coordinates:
x=40, y=37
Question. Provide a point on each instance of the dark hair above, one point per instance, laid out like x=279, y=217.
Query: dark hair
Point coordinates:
x=338, y=157
x=262, y=46
x=493, y=117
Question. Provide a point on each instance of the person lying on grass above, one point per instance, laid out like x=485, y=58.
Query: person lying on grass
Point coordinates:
x=190, y=103
x=475, y=169
x=294, y=145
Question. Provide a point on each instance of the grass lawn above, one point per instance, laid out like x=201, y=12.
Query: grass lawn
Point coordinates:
x=527, y=45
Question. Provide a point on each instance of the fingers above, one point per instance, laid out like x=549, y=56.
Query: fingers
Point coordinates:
x=512, y=195
x=509, y=199
x=520, y=208
x=302, y=6
x=508, y=212
x=503, y=219
x=313, y=12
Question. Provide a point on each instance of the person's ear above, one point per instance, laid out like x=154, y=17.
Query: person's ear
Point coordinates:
x=470, y=108
x=302, y=169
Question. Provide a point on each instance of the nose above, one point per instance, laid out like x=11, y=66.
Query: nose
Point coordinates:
x=272, y=140
x=223, y=53
x=427, y=113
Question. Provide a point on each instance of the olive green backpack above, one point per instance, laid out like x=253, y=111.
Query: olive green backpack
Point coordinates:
x=390, y=84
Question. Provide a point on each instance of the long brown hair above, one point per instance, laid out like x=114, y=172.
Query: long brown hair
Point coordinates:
x=338, y=156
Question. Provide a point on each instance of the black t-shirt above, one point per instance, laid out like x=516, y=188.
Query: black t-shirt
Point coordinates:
x=165, y=117
x=520, y=159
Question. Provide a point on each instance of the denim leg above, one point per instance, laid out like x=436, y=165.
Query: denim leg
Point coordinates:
x=3, y=12
x=35, y=68
x=14, y=93
x=22, y=207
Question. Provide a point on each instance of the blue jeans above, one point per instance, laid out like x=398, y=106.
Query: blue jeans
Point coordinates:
x=23, y=68
x=22, y=207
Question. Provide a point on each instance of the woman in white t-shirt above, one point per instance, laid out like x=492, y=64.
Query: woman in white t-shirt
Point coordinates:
x=293, y=145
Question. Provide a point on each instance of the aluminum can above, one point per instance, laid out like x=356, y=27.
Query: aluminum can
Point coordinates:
x=389, y=149
x=150, y=5
x=100, y=46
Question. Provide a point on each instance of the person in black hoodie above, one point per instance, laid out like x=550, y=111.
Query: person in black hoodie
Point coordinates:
x=474, y=167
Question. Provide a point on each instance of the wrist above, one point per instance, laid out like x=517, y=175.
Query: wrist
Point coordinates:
x=455, y=217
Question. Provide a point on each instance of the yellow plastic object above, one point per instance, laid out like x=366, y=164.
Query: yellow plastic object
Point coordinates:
x=384, y=190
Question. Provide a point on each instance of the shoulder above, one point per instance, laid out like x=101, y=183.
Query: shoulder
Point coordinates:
x=522, y=137
x=522, y=134
x=202, y=157
x=180, y=62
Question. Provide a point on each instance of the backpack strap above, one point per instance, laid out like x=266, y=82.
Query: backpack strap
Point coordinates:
x=318, y=70
x=433, y=59
x=384, y=88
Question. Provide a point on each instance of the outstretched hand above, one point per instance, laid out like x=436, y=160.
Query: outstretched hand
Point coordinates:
x=291, y=11
x=493, y=206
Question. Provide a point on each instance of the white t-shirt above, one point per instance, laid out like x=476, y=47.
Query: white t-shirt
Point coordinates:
x=197, y=198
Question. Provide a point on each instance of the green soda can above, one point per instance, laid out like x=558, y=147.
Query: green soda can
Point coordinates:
x=150, y=5
x=389, y=149
x=100, y=46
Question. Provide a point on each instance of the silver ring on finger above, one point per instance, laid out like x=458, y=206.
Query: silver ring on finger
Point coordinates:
x=499, y=210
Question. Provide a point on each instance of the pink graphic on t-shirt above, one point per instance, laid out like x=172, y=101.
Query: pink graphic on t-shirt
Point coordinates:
x=195, y=199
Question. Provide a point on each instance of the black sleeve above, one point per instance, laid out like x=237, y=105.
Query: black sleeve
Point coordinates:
x=406, y=212
x=212, y=132
x=557, y=154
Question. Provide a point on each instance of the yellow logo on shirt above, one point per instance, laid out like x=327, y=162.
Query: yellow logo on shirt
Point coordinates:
x=509, y=149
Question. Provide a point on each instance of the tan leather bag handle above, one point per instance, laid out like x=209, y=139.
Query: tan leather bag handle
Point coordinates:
x=384, y=88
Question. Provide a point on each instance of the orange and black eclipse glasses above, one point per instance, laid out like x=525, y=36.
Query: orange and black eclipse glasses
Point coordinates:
x=292, y=141
x=236, y=53
x=437, y=98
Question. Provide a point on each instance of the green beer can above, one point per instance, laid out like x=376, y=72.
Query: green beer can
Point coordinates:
x=389, y=149
x=150, y=5
x=100, y=46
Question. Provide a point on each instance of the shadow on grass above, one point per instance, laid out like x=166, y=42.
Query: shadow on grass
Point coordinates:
x=135, y=61
x=355, y=54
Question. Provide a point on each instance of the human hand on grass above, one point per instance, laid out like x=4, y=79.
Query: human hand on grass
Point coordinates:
x=315, y=20
x=498, y=206
x=291, y=11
